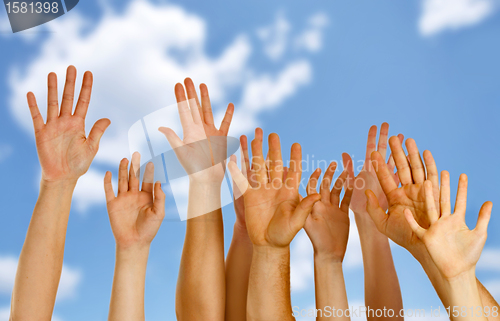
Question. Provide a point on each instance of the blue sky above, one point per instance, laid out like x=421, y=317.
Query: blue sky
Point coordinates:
x=316, y=73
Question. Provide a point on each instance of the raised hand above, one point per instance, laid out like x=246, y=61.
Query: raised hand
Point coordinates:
x=328, y=224
x=367, y=177
x=452, y=246
x=65, y=152
x=409, y=196
x=273, y=210
x=135, y=214
x=203, y=145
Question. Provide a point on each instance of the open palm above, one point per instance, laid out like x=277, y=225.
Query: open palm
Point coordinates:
x=65, y=152
x=135, y=214
x=203, y=145
x=409, y=196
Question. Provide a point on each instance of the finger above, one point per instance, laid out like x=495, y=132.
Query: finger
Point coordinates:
x=69, y=91
x=430, y=205
x=123, y=176
x=259, y=169
x=133, y=180
x=52, y=102
x=295, y=169
x=275, y=159
x=326, y=182
x=384, y=176
x=285, y=173
x=245, y=158
x=108, y=187
x=238, y=178
x=377, y=214
x=312, y=184
x=370, y=146
x=391, y=164
x=35, y=112
x=484, y=217
x=337, y=188
x=183, y=106
x=159, y=201
x=402, y=165
x=302, y=211
x=82, y=105
x=148, y=178
x=382, y=139
x=417, y=167
x=432, y=172
x=173, y=139
x=226, y=121
x=96, y=133
x=207, y=114
x=349, y=165
x=346, y=201
x=417, y=229
x=444, y=198
x=193, y=100
x=461, y=201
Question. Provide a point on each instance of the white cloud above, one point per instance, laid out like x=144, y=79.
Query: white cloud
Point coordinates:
x=275, y=37
x=311, y=39
x=489, y=260
x=68, y=285
x=301, y=263
x=90, y=190
x=8, y=267
x=440, y=15
x=137, y=56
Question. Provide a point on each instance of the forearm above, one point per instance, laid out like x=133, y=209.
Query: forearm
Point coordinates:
x=382, y=288
x=269, y=285
x=464, y=300
x=487, y=301
x=201, y=282
x=330, y=289
x=41, y=259
x=127, y=295
x=238, y=261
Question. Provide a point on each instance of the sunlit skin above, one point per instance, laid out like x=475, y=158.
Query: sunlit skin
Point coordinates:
x=135, y=215
x=452, y=246
x=328, y=228
x=239, y=256
x=65, y=153
x=274, y=213
x=201, y=289
x=411, y=198
x=381, y=281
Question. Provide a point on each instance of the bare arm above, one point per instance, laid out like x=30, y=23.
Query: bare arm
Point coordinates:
x=201, y=284
x=65, y=154
x=239, y=256
x=135, y=216
x=382, y=288
x=328, y=228
x=274, y=214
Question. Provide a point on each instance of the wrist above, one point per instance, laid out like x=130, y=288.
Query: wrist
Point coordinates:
x=63, y=184
x=266, y=250
x=327, y=258
x=136, y=252
x=240, y=230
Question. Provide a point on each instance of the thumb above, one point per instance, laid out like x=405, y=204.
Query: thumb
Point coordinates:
x=172, y=137
x=484, y=217
x=238, y=178
x=97, y=131
x=302, y=211
x=159, y=201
